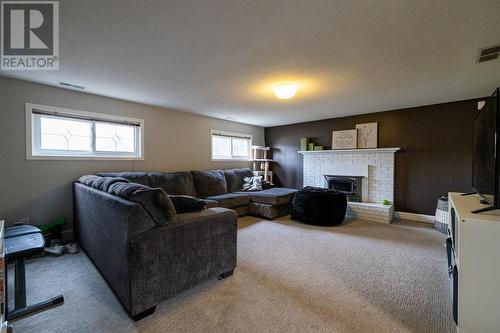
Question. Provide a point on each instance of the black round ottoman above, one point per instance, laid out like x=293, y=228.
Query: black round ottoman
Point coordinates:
x=319, y=206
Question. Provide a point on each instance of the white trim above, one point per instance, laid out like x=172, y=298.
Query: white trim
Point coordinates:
x=235, y=135
x=360, y=150
x=29, y=131
x=101, y=116
x=414, y=217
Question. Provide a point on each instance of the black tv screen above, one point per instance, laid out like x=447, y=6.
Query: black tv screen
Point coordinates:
x=484, y=162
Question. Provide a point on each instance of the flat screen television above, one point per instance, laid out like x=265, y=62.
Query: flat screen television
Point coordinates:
x=486, y=157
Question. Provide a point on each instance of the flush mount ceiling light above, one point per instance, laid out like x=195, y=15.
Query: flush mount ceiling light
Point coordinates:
x=285, y=90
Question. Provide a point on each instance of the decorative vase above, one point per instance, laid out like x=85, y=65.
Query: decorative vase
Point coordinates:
x=303, y=143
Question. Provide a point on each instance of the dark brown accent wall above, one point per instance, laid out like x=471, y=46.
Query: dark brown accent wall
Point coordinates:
x=436, y=156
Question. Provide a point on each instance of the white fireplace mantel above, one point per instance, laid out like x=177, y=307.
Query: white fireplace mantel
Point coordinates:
x=359, y=150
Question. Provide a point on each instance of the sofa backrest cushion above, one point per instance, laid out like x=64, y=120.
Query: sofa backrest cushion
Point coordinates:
x=101, y=183
x=209, y=182
x=235, y=177
x=173, y=183
x=154, y=200
x=134, y=177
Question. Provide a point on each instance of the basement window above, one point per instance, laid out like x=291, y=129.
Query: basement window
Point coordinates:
x=230, y=146
x=56, y=133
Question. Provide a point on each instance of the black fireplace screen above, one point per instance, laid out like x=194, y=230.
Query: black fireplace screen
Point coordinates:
x=351, y=186
x=343, y=185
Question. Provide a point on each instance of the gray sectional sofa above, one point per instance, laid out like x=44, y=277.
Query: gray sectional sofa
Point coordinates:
x=218, y=188
x=148, y=249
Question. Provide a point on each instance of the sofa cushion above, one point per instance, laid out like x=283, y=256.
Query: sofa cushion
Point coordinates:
x=234, y=178
x=268, y=211
x=186, y=204
x=134, y=177
x=154, y=200
x=229, y=200
x=104, y=183
x=210, y=203
x=241, y=210
x=209, y=182
x=101, y=183
x=273, y=196
x=89, y=180
x=174, y=183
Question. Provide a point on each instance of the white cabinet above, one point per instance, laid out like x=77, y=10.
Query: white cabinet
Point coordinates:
x=476, y=249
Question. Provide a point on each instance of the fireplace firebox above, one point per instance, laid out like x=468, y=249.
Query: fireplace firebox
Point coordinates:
x=350, y=185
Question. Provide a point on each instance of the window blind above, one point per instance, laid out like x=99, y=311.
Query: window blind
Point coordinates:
x=79, y=117
x=231, y=135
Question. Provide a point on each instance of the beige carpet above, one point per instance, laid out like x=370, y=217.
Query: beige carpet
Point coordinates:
x=359, y=277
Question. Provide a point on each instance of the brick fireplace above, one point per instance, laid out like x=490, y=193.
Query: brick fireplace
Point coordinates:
x=375, y=168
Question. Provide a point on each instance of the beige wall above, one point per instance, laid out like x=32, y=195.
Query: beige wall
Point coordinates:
x=41, y=190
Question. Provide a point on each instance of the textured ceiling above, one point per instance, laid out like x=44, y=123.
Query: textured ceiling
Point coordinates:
x=221, y=58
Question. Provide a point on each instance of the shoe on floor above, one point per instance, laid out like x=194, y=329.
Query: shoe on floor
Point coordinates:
x=71, y=248
x=56, y=250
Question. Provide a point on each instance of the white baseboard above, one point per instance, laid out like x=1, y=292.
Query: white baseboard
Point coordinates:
x=414, y=217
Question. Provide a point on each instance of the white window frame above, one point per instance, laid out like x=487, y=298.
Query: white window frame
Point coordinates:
x=232, y=135
x=33, y=135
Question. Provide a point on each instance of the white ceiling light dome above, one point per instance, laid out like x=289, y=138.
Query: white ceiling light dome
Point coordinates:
x=285, y=90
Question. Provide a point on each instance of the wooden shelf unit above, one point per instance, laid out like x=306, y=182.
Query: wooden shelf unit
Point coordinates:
x=260, y=155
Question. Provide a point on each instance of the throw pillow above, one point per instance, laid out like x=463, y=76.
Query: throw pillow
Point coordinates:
x=88, y=179
x=154, y=200
x=105, y=182
x=101, y=183
x=186, y=204
x=252, y=184
x=133, y=176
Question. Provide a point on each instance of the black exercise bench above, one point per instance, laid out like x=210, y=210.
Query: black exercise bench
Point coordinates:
x=22, y=242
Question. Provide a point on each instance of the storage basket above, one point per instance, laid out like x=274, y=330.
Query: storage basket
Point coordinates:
x=441, y=219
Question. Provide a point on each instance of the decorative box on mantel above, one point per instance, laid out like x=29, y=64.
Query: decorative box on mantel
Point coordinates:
x=374, y=165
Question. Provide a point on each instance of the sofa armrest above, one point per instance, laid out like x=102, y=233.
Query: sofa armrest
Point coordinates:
x=90, y=201
x=169, y=259
x=103, y=225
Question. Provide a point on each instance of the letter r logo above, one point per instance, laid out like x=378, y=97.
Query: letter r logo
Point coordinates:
x=28, y=27
x=18, y=26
